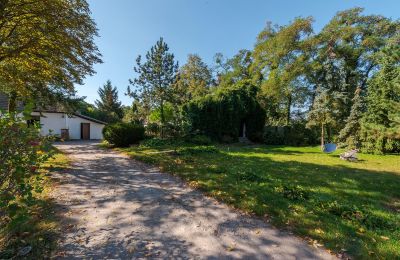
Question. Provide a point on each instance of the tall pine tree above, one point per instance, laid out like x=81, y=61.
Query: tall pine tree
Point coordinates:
x=381, y=123
x=349, y=136
x=153, y=86
x=109, y=106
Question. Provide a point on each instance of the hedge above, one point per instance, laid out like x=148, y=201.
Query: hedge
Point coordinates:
x=221, y=114
x=123, y=134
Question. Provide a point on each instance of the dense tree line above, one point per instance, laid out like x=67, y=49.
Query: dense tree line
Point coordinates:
x=342, y=81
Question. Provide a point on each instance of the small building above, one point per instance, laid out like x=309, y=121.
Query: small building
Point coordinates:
x=66, y=125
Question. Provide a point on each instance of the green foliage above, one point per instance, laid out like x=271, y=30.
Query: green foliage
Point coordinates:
x=294, y=192
x=110, y=109
x=281, y=58
x=155, y=142
x=197, y=150
x=123, y=134
x=200, y=139
x=22, y=153
x=381, y=122
x=193, y=80
x=224, y=112
x=153, y=86
x=296, y=134
x=47, y=47
x=350, y=135
x=231, y=71
x=155, y=115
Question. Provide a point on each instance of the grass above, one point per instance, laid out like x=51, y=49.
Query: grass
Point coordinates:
x=349, y=207
x=37, y=227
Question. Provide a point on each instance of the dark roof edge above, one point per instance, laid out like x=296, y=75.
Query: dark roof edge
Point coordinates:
x=75, y=114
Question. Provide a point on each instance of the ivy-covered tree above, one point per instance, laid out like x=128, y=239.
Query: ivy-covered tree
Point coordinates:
x=153, y=86
x=108, y=105
x=350, y=135
x=46, y=47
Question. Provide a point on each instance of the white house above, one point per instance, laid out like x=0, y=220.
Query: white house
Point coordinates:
x=76, y=126
x=72, y=126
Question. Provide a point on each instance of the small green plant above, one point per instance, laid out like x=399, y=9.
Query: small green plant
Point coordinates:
x=295, y=193
x=123, y=134
x=248, y=176
x=197, y=150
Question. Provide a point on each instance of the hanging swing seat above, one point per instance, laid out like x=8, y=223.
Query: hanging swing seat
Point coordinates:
x=329, y=148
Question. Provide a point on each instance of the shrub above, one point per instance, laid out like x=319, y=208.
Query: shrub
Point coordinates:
x=200, y=140
x=155, y=142
x=123, y=134
x=293, y=192
x=197, y=150
x=296, y=134
x=22, y=152
x=224, y=112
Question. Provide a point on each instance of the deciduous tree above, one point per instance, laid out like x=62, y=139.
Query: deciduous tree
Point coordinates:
x=46, y=46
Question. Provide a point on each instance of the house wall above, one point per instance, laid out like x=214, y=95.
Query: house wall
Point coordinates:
x=74, y=124
x=54, y=122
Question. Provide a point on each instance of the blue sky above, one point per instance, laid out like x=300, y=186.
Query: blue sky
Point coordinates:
x=128, y=28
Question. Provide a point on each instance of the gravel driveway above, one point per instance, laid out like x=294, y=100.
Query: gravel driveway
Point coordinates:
x=116, y=208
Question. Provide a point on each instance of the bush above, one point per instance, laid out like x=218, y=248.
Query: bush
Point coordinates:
x=123, y=134
x=197, y=150
x=294, y=135
x=223, y=113
x=200, y=140
x=155, y=142
x=22, y=152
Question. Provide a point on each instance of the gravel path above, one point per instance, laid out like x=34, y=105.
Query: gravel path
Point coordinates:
x=116, y=208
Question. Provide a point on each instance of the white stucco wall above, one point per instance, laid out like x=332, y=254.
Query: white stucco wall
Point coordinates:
x=57, y=121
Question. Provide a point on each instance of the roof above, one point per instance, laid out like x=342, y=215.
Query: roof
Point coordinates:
x=4, y=106
x=90, y=118
x=75, y=114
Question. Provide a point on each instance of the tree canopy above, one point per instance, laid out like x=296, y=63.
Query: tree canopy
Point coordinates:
x=46, y=46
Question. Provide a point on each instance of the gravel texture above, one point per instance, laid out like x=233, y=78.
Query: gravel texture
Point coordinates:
x=113, y=207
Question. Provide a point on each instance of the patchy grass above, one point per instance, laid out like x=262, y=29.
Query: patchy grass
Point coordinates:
x=36, y=226
x=349, y=207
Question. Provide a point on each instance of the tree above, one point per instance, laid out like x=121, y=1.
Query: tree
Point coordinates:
x=381, y=122
x=350, y=135
x=193, y=80
x=235, y=69
x=281, y=57
x=109, y=106
x=46, y=46
x=327, y=102
x=350, y=42
x=153, y=86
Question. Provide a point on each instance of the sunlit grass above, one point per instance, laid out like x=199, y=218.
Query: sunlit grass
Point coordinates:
x=353, y=207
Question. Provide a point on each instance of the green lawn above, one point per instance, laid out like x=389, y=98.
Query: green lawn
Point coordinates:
x=351, y=207
x=37, y=226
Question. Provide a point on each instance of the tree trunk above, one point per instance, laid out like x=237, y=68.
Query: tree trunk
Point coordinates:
x=162, y=118
x=322, y=136
x=288, y=109
x=12, y=102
